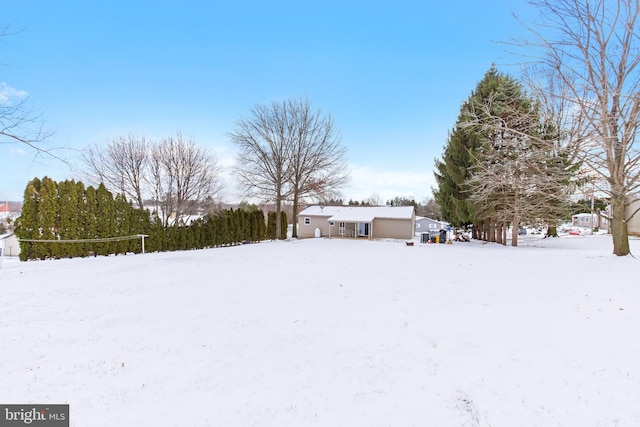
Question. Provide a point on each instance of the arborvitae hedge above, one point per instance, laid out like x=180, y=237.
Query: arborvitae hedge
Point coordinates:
x=71, y=211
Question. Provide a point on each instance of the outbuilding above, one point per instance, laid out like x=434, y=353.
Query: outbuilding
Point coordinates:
x=9, y=245
x=373, y=222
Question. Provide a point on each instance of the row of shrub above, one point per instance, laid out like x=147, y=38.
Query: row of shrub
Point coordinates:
x=69, y=211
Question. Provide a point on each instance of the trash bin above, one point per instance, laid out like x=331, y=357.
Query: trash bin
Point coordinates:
x=424, y=238
x=443, y=236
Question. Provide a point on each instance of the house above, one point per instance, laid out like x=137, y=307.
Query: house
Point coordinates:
x=590, y=220
x=428, y=225
x=9, y=245
x=633, y=222
x=378, y=222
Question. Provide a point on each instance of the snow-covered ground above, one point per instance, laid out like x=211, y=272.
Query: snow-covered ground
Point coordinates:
x=334, y=332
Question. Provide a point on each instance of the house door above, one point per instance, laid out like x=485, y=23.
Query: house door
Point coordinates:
x=363, y=229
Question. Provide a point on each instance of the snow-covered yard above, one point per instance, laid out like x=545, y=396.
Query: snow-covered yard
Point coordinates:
x=334, y=332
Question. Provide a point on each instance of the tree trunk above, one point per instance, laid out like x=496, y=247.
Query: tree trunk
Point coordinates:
x=552, y=229
x=492, y=231
x=294, y=220
x=516, y=211
x=278, y=210
x=619, y=226
x=505, y=226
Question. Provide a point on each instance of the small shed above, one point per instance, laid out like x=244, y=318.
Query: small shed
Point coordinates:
x=9, y=245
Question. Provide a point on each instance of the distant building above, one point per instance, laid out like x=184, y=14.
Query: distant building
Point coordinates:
x=9, y=244
x=633, y=224
x=394, y=222
x=590, y=220
x=428, y=225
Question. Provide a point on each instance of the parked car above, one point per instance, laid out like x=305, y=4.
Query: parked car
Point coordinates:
x=522, y=231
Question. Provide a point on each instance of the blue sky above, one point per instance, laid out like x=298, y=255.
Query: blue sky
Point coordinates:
x=391, y=74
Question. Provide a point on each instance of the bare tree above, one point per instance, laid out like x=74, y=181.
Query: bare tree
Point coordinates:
x=374, y=200
x=592, y=47
x=289, y=152
x=317, y=160
x=182, y=176
x=430, y=209
x=565, y=128
x=19, y=123
x=121, y=166
x=264, y=143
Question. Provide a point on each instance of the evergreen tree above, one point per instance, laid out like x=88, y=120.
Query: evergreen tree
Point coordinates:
x=105, y=219
x=519, y=177
x=82, y=249
x=67, y=218
x=47, y=212
x=121, y=223
x=451, y=174
x=26, y=226
x=271, y=226
x=90, y=219
x=499, y=166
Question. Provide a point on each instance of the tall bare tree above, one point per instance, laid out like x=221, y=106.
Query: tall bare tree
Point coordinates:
x=19, y=123
x=121, y=165
x=317, y=159
x=592, y=46
x=287, y=151
x=565, y=128
x=264, y=141
x=183, y=176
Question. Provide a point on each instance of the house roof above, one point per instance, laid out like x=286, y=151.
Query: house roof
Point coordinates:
x=359, y=213
x=424, y=218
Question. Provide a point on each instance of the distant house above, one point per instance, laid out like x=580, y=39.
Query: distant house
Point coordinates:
x=394, y=222
x=5, y=211
x=9, y=244
x=428, y=225
x=590, y=220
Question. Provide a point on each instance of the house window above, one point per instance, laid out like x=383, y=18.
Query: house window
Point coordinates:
x=432, y=226
x=417, y=225
x=307, y=221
